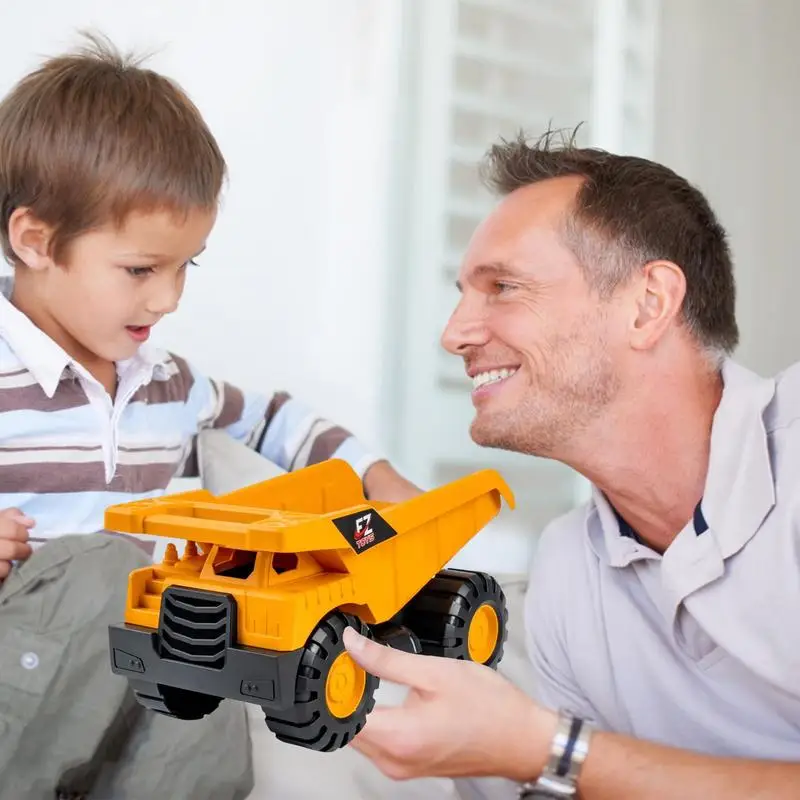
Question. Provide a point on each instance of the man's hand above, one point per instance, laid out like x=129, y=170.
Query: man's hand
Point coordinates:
x=460, y=719
x=463, y=720
x=14, y=526
x=382, y=482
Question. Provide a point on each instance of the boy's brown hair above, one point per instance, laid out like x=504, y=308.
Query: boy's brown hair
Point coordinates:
x=91, y=136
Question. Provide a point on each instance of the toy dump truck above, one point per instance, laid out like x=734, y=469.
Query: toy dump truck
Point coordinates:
x=255, y=607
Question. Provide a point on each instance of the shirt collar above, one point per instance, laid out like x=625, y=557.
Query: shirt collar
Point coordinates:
x=45, y=359
x=739, y=490
x=740, y=486
x=698, y=520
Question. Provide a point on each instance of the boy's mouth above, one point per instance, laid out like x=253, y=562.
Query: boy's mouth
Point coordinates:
x=139, y=333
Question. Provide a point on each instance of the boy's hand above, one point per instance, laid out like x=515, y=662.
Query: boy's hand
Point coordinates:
x=14, y=526
x=383, y=482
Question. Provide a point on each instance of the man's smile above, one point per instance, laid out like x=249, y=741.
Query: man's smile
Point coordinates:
x=485, y=379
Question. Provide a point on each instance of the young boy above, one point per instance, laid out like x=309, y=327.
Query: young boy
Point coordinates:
x=109, y=185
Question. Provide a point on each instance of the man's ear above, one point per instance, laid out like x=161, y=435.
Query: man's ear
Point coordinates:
x=30, y=239
x=659, y=297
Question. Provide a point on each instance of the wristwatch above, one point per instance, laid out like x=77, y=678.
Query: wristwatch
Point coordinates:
x=567, y=754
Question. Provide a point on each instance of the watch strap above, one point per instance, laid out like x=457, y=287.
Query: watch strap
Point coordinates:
x=568, y=751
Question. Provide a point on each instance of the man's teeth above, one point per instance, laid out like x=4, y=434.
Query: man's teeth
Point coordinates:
x=492, y=376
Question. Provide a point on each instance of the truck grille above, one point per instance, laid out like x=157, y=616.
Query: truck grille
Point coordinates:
x=196, y=627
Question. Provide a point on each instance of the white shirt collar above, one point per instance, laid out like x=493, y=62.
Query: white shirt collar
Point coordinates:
x=45, y=359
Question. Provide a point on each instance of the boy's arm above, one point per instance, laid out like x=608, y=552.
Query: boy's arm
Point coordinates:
x=287, y=432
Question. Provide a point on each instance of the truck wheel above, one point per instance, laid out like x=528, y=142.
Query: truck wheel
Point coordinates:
x=462, y=615
x=333, y=694
x=174, y=702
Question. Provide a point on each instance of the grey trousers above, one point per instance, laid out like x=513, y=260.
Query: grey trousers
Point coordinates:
x=70, y=728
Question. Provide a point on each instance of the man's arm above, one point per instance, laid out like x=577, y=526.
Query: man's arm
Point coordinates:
x=464, y=720
x=546, y=599
x=286, y=431
x=619, y=767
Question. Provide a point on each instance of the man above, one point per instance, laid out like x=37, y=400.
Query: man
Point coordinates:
x=597, y=319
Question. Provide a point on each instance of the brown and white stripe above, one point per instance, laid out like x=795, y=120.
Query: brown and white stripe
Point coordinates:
x=64, y=454
x=43, y=469
x=19, y=391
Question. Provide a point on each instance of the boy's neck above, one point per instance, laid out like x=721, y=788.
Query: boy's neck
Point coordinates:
x=106, y=373
x=24, y=297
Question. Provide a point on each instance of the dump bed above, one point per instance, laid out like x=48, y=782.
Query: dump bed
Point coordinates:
x=296, y=512
x=369, y=558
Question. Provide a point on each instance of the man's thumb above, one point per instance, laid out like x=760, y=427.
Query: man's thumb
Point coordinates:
x=384, y=662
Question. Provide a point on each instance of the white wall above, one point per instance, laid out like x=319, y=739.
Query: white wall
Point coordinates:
x=728, y=118
x=294, y=290
x=290, y=292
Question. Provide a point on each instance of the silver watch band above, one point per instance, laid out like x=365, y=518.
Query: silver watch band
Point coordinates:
x=567, y=753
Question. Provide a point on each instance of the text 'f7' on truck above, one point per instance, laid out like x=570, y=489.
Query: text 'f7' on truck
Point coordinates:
x=271, y=575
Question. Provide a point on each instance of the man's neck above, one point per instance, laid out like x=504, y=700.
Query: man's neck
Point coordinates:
x=651, y=459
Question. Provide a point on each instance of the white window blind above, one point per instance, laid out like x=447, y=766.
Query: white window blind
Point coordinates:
x=479, y=70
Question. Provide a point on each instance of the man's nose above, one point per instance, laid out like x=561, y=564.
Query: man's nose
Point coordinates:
x=466, y=328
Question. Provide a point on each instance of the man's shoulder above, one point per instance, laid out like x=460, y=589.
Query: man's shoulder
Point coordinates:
x=562, y=542
x=559, y=564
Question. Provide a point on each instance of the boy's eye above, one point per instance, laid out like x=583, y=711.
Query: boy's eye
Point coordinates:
x=139, y=272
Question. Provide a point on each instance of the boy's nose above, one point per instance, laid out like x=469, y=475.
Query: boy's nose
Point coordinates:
x=165, y=302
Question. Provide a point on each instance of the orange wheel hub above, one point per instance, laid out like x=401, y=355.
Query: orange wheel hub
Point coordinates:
x=484, y=631
x=344, y=686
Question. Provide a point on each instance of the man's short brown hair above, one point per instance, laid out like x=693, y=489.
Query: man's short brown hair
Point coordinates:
x=91, y=136
x=630, y=211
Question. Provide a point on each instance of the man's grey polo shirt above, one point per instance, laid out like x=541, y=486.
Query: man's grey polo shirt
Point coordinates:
x=698, y=648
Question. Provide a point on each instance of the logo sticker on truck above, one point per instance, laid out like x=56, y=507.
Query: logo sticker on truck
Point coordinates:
x=364, y=529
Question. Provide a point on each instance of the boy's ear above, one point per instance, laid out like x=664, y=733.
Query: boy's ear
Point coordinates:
x=30, y=239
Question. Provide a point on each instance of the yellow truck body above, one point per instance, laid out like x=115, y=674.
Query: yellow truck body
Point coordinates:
x=284, y=555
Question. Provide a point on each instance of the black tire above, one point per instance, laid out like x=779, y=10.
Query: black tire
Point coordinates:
x=174, y=702
x=310, y=722
x=442, y=612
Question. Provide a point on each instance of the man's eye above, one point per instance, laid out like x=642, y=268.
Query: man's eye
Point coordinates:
x=502, y=286
x=139, y=272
